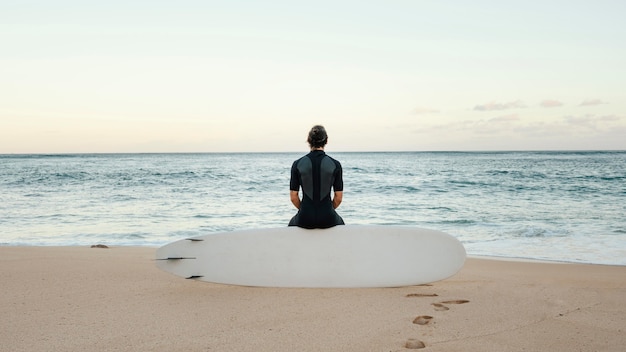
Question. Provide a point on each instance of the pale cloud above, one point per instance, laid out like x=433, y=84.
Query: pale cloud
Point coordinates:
x=610, y=118
x=422, y=111
x=592, y=102
x=494, y=126
x=591, y=121
x=505, y=118
x=539, y=129
x=500, y=125
x=548, y=103
x=514, y=125
x=493, y=106
x=582, y=121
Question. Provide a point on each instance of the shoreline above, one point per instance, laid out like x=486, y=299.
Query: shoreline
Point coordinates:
x=79, y=298
x=534, y=260
x=469, y=256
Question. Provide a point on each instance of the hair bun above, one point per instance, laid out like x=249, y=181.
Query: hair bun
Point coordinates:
x=317, y=136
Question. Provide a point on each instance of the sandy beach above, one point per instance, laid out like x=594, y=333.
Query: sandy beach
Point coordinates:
x=115, y=299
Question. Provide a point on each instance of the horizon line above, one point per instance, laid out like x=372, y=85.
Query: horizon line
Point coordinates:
x=348, y=151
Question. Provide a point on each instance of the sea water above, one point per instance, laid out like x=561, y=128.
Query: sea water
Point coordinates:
x=562, y=206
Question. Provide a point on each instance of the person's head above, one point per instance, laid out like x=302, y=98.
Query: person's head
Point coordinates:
x=317, y=137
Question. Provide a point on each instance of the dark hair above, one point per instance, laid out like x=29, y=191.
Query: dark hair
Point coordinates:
x=317, y=137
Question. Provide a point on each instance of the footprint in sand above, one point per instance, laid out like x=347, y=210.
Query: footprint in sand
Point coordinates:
x=456, y=301
x=414, y=344
x=422, y=295
x=422, y=320
x=440, y=307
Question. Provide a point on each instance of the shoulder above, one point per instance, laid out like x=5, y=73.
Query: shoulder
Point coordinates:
x=298, y=160
x=337, y=163
x=301, y=162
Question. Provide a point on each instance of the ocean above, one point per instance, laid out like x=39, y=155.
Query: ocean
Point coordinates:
x=557, y=206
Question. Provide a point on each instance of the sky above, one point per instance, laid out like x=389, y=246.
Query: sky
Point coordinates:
x=254, y=76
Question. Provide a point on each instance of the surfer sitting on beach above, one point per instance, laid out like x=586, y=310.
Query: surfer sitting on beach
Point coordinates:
x=317, y=174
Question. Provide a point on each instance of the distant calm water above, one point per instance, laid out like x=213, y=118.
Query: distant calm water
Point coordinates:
x=567, y=206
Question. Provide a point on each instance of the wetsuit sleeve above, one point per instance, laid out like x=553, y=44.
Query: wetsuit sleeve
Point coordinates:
x=338, y=185
x=294, y=183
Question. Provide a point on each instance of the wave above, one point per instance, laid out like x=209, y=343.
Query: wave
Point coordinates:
x=536, y=232
x=440, y=208
x=457, y=222
x=202, y=216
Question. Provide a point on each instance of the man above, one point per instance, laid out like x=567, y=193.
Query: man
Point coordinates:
x=317, y=174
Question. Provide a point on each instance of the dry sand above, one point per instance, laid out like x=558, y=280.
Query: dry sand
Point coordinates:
x=115, y=299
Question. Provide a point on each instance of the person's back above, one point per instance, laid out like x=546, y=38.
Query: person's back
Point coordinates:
x=318, y=174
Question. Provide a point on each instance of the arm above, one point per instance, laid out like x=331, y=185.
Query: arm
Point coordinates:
x=338, y=185
x=294, y=185
x=337, y=199
x=295, y=199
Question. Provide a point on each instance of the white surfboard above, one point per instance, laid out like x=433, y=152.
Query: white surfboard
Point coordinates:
x=342, y=256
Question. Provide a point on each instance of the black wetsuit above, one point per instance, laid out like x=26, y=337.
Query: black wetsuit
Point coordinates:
x=316, y=173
